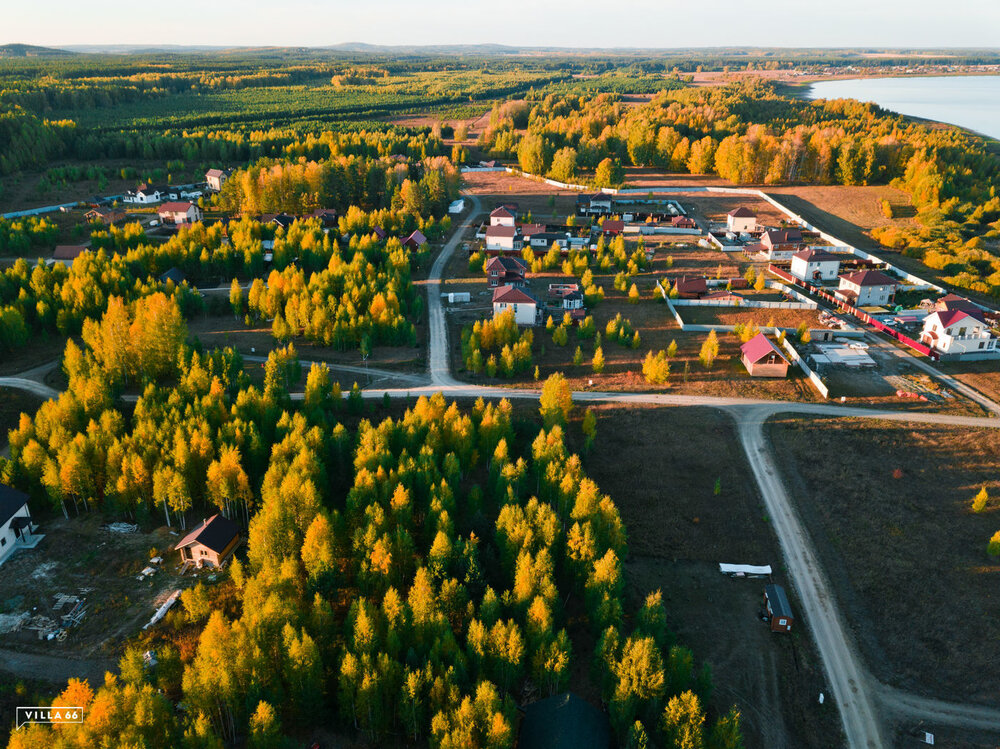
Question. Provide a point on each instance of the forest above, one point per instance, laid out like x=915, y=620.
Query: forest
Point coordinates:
x=409, y=578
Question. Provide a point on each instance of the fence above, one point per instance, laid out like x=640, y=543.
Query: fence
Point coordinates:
x=38, y=211
x=801, y=363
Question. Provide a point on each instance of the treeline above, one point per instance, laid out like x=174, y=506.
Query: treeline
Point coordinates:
x=424, y=601
x=19, y=236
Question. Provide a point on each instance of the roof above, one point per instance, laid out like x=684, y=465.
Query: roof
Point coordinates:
x=687, y=285
x=778, y=600
x=613, y=226
x=416, y=237
x=11, y=500
x=949, y=317
x=176, y=207
x=869, y=278
x=174, y=274
x=528, y=230
x=379, y=232
x=511, y=295
x=501, y=212
x=759, y=347
x=742, y=212
x=564, y=722
x=147, y=188
x=514, y=264
x=68, y=251
x=782, y=236
x=601, y=196
x=215, y=533
x=508, y=232
x=954, y=301
x=682, y=221
x=813, y=255
x=218, y=172
x=105, y=211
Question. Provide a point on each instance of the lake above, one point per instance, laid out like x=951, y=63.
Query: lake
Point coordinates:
x=971, y=102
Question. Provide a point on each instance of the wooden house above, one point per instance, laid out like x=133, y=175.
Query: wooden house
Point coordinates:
x=211, y=543
x=779, y=611
x=762, y=358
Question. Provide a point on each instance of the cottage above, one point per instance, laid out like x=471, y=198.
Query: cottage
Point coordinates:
x=16, y=528
x=211, y=543
x=762, y=358
x=327, y=216
x=612, y=227
x=866, y=288
x=741, y=220
x=502, y=216
x=524, y=306
x=530, y=230
x=174, y=275
x=542, y=241
x=180, y=214
x=564, y=721
x=105, y=215
x=779, y=611
x=380, y=233
x=690, y=288
x=414, y=241
x=954, y=301
x=503, y=239
x=506, y=271
x=683, y=222
x=284, y=220
x=216, y=178
x=815, y=264
x=781, y=244
x=959, y=332
x=600, y=203
x=67, y=253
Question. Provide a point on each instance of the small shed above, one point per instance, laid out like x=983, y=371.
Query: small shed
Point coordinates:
x=564, y=722
x=762, y=358
x=779, y=611
x=211, y=543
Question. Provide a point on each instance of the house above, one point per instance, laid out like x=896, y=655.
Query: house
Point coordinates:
x=723, y=296
x=147, y=194
x=105, y=215
x=570, y=300
x=379, y=232
x=17, y=531
x=762, y=358
x=327, y=216
x=683, y=222
x=741, y=220
x=530, y=230
x=524, y=306
x=216, y=178
x=456, y=206
x=502, y=239
x=502, y=216
x=414, y=241
x=564, y=721
x=174, y=274
x=779, y=611
x=815, y=264
x=67, y=253
x=691, y=288
x=612, y=227
x=545, y=239
x=211, y=543
x=180, y=213
x=959, y=332
x=506, y=271
x=867, y=288
x=598, y=204
x=954, y=301
x=284, y=220
x=781, y=244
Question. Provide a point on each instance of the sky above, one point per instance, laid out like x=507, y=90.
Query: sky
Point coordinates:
x=580, y=24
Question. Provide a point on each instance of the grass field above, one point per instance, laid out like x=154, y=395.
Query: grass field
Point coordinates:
x=889, y=509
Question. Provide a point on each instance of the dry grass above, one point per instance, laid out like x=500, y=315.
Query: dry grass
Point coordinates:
x=889, y=508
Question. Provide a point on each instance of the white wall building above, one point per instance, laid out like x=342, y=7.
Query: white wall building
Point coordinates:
x=525, y=308
x=815, y=265
x=959, y=332
x=16, y=528
x=740, y=220
x=867, y=288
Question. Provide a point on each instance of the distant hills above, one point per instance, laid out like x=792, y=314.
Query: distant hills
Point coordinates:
x=30, y=50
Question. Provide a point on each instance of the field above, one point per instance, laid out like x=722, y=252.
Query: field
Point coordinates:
x=660, y=466
x=889, y=508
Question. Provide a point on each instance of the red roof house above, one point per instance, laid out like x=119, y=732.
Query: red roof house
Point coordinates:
x=762, y=358
x=691, y=288
x=415, y=241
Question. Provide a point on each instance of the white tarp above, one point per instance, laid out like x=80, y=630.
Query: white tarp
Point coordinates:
x=162, y=611
x=744, y=569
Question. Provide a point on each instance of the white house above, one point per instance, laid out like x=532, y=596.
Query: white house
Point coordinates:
x=180, y=213
x=148, y=194
x=959, y=332
x=740, y=220
x=867, y=288
x=781, y=244
x=16, y=529
x=503, y=239
x=502, y=216
x=216, y=178
x=815, y=265
x=525, y=308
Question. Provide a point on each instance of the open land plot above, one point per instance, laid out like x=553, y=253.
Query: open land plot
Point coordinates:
x=660, y=466
x=759, y=316
x=889, y=508
x=983, y=376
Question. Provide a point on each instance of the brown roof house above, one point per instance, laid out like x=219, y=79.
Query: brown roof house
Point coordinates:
x=105, y=215
x=762, y=358
x=67, y=253
x=506, y=271
x=211, y=543
x=414, y=241
x=691, y=288
x=741, y=219
x=866, y=288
